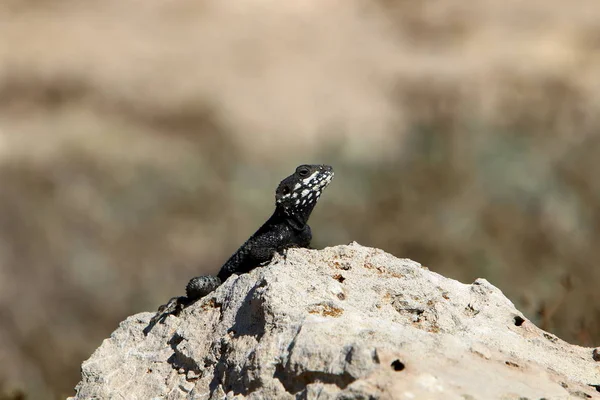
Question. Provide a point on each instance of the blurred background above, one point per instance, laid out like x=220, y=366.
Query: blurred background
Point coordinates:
x=141, y=143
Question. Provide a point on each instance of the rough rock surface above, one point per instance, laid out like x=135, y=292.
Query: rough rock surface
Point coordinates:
x=347, y=322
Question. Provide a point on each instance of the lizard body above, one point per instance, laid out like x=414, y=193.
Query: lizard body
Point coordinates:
x=295, y=199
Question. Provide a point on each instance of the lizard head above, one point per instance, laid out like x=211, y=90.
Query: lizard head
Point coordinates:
x=297, y=194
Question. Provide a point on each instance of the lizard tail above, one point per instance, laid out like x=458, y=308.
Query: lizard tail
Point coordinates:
x=200, y=286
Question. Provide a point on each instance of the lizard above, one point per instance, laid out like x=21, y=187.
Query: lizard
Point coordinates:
x=295, y=199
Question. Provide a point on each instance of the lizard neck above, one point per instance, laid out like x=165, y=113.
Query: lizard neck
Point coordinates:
x=296, y=219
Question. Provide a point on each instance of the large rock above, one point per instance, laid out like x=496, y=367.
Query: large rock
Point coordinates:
x=347, y=322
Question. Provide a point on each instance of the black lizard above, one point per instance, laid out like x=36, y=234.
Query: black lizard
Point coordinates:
x=288, y=227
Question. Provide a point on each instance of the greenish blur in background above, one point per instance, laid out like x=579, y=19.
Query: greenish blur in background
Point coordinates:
x=141, y=143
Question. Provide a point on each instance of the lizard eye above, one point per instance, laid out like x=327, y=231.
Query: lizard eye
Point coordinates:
x=285, y=190
x=303, y=171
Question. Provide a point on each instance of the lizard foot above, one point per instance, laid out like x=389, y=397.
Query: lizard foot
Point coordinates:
x=173, y=307
x=196, y=288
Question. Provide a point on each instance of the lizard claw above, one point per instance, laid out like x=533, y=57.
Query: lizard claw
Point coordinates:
x=196, y=288
x=277, y=256
x=173, y=307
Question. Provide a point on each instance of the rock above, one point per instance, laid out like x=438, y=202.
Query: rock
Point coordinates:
x=347, y=322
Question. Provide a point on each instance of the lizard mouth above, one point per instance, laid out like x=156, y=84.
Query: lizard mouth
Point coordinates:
x=326, y=180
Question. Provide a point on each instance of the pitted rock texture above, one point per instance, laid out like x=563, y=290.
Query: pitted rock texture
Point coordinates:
x=347, y=322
